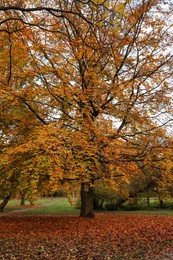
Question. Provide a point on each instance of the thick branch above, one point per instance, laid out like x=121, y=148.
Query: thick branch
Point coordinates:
x=51, y=10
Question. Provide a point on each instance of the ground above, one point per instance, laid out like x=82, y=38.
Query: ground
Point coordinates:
x=107, y=236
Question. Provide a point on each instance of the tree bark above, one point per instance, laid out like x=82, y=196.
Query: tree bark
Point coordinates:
x=87, y=200
x=22, y=202
x=148, y=199
x=4, y=202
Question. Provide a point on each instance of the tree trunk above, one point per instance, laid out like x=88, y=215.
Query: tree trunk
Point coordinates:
x=148, y=199
x=22, y=202
x=4, y=202
x=87, y=200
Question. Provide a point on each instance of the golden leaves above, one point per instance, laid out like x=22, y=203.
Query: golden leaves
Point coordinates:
x=81, y=95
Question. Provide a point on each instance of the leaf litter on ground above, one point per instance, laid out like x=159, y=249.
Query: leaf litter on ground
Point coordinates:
x=107, y=236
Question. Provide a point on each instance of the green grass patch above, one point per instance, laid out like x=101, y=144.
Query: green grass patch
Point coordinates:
x=147, y=211
x=46, y=206
x=56, y=206
x=16, y=203
x=61, y=205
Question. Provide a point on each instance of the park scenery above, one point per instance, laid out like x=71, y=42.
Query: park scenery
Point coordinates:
x=86, y=136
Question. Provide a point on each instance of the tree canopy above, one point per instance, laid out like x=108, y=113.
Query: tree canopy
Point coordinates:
x=85, y=91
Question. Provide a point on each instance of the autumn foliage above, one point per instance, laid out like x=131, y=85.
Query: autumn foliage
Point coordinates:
x=85, y=94
x=110, y=236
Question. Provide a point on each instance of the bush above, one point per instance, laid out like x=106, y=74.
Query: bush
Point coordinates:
x=106, y=199
x=131, y=204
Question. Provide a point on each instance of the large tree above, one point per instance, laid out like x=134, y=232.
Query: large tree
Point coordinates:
x=95, y=75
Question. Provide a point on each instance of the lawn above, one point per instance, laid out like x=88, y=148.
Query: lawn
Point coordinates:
x=55, y=206
x=43, y=206
x=51, y=205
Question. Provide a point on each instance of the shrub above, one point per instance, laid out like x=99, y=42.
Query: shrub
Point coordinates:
x=106, y=199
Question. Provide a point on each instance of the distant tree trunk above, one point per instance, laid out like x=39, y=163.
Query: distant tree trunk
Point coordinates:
x=160, y=197
x=161, y=203
x=22, y=202
x=148, y=199
x=4, y=202
x=87, y=200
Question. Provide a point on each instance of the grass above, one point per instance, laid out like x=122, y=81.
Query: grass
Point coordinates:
x=56, y=206
x=61, y=205
x=16, y=202
x=44, y=206
x=148, y=211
